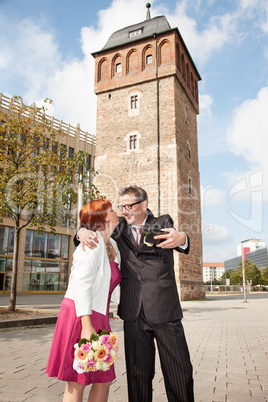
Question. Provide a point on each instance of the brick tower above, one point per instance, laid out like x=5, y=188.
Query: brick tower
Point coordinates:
x=147, y=93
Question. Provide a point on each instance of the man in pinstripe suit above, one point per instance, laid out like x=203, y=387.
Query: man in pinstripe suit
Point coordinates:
x=149, y=303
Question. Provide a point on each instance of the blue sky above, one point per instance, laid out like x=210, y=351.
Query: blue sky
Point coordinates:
x=45, y=51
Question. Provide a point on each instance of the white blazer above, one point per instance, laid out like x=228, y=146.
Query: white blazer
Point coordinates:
x=90, y=277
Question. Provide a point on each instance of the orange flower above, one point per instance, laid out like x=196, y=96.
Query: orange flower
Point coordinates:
x=101, y=353
x=114, y=338
x=80, y=355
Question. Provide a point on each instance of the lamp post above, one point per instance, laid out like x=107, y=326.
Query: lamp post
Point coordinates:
x=211, y=278
x=243, y=272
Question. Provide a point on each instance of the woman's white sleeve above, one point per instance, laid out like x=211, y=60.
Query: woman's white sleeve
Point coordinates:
x=84, y=272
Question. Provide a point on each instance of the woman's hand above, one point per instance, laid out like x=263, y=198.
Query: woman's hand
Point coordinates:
x=87, y=238
x=87, y=327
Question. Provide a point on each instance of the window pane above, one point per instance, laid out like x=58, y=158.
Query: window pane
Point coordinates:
x=27, y=266
x=3, y=263
x=39, y=266
x=38, y=282
x=8, y=274
x=63, y=275
x=71, y=152
x=149, y=59
x=26, y=281
x=118, y=68
x=54, y=246
x=3, y=239
x=29, y=243
x=11, y=241
x=52, y=282
x=64, y=247
x=40, y=245
x=52, y=266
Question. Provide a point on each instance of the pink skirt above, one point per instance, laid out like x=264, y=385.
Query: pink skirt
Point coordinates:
x=67, y=333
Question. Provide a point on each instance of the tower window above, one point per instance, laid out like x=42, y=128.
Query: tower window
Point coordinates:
x=149, y=59
x=188, y=151
x=134, y=102
x=133, y=142
x=190, y=185
x=118, y=68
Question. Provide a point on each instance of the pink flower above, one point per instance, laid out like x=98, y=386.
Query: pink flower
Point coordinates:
x=105, y=339
x=91, y=363
x=86, y=347
x=108, y=359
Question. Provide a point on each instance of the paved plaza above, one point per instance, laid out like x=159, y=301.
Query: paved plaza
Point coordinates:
x=227, y=338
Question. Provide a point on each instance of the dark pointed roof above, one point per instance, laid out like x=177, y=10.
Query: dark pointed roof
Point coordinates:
x=146, y=29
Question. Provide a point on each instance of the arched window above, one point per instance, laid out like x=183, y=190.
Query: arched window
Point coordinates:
x=147, y=57
x=117, y=65
x=183, y=66
x=103, y=70
x=187, y=75
x=178, y=57
x=165, y=52
x=132, y=62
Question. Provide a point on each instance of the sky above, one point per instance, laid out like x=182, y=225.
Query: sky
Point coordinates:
x=45, y=52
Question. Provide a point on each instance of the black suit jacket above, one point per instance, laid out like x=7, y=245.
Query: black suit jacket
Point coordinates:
x=148, y=276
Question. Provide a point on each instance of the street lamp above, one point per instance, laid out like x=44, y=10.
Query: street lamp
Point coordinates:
x=243, y=272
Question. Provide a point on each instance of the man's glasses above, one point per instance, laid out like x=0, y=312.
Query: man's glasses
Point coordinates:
x=129, y=206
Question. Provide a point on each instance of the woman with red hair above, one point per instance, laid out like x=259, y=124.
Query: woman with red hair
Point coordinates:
x=93, y=282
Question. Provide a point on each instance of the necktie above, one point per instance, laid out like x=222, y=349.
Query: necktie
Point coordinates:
x=139, y=232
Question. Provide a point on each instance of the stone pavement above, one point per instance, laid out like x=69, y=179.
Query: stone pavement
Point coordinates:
x=227, y=338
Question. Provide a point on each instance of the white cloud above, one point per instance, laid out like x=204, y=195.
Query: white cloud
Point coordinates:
x=211, y=197
x=214, y=234
x=202, y=44
x=205, y=103
x=247, y=135
x=30, y=57
x=214, y=254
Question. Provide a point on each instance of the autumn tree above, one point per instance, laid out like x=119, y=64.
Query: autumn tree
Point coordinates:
x=38, y=182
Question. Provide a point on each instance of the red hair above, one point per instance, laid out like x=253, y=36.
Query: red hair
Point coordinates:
x=93, y=214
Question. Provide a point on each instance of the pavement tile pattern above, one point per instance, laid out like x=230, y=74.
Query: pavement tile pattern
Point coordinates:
x=227, y=338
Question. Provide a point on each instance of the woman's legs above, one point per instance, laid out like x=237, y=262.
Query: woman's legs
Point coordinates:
x=73, y=392
x=99, y=392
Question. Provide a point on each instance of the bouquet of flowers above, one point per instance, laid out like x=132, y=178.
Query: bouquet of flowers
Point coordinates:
x=98, y=353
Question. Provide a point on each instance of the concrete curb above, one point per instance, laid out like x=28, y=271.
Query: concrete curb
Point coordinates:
x=27, y=322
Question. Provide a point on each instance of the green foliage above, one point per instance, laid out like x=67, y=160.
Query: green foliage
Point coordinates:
x=94, y=337
x=252, y=273
x=227, y=275
x=264, y=275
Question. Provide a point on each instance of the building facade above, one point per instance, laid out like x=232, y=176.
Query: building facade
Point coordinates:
x=44, y=260
x=259, y=258
x=147, y=102
x=212, y=271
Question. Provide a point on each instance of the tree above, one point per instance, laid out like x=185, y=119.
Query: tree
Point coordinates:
x=264, y=274
x=252, y=273
x=227, y=275
x=38, y=182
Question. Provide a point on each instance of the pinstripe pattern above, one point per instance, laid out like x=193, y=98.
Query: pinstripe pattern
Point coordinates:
x=140, y=360
x=148, y=280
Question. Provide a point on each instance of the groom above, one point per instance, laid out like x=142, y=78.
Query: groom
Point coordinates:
x=149, y=302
